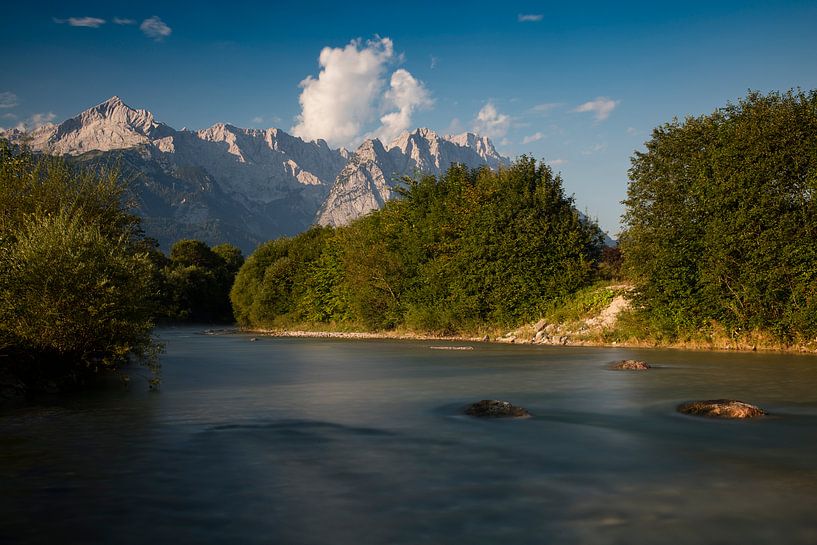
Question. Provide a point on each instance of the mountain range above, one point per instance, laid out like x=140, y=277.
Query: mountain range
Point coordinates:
x=245, y=186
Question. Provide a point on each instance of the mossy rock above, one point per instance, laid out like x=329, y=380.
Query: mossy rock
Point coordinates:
x=494, y=408
x=631, y=365
x=721, y=408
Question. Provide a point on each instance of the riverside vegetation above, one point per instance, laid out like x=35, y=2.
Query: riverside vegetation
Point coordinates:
x=718, y=248
x=81, y=285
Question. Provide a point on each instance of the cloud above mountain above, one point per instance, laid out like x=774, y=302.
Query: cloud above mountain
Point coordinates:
x=489, y=122
x=354, y=92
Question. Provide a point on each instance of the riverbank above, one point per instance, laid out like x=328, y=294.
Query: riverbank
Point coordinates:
x=512, y=338
x=595, y=316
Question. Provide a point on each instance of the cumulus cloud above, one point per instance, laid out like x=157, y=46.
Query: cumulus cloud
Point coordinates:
x=535, y=137
x=257, y=120
x=406, y=94
x=491, y=123
x=35, y=121
x=351, y=94
x=155, y=29
x=601, y=107
x=88, y=22
x=8, y=100
x=530, y=17
x=557, y=162
x=632, y=131
x=123, y=21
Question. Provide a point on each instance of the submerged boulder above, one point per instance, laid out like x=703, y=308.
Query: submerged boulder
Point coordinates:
x=631, y=365
x=494, y=408
x=721, y=408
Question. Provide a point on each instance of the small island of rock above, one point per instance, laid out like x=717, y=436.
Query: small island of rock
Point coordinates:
x=721, y=408
x=493, y=408
x=631, y=365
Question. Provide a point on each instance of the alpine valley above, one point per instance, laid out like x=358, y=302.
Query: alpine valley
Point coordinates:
x=245, y=186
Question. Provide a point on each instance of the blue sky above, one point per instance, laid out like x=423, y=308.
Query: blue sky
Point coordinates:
x=577, y=84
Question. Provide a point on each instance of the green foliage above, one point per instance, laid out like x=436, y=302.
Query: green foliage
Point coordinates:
x=721, y=219
x=586, y=302
x=275, y=287
x=197, y=280
x=76, y=277
x=456, y=253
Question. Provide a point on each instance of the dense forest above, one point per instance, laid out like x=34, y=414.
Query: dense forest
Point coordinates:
x=472, y=249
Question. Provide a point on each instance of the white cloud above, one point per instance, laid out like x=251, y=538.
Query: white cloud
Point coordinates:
x=632, y=131
x=530, y=17
x=535, y=137
x=36, y=121
x=406, y=94
x=557, y=162
x=601, y=107
x=491, y=123
x=8, y=100
x=545, y=107
x=434, y=61
x=123, y=21
x=88, y=22
x=257, y=120
x=350, y=94
x=155, y=29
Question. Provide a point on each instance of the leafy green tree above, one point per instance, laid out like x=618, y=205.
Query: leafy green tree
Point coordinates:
x=197, y=281
x=721, y=219
x=76, y=278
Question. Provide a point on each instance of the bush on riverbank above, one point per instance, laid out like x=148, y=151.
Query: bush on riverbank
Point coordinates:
x=721, y=223
x=454, y=254
x=76, y=284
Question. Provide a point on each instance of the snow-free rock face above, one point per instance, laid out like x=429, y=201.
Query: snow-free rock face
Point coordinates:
x=245, y=186
x=367, y=181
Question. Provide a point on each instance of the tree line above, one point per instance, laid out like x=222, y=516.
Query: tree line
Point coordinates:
x=468, y=250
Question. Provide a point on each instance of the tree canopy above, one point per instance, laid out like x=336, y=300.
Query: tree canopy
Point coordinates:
x=721, y=224
x=76, y=279
x=471, y=248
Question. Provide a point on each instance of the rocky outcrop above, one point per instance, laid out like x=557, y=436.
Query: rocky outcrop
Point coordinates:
x=721, y=408
x=370, y=177
x=493, y=408
x=631, y=365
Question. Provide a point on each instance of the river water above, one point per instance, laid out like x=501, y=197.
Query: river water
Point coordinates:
x=322, y=441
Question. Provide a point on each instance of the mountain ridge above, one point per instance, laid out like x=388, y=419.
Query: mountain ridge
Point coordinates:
x=260, y=183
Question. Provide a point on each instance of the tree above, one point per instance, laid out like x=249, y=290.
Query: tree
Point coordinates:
x=197, y=281
x=721, y=219
x=76, y=286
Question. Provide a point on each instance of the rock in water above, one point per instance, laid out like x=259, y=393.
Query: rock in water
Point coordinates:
x=631, y=365
x=493, y=408
x=721, y=408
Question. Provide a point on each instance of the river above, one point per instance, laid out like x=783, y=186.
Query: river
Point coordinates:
x=329, y=441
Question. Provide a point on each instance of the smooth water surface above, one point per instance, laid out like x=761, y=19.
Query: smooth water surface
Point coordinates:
x=319, y=441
